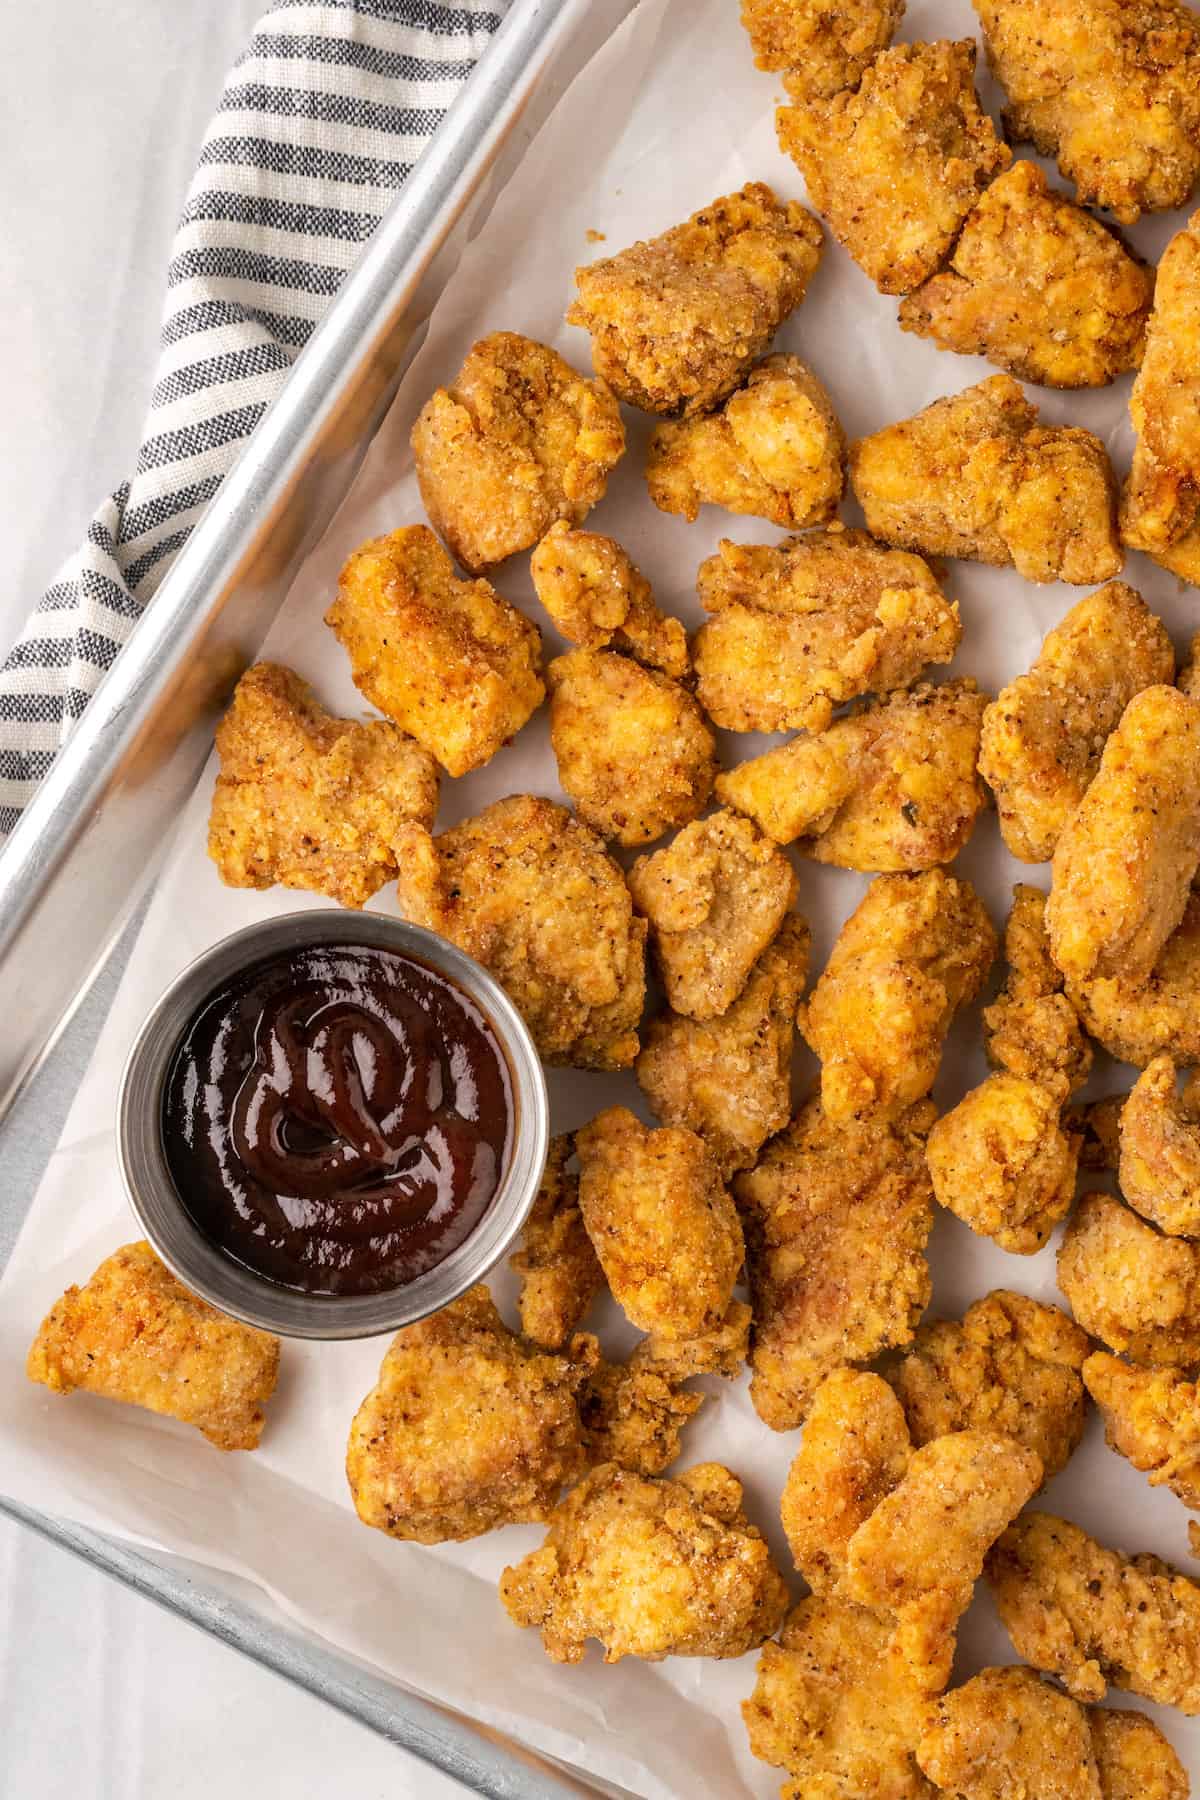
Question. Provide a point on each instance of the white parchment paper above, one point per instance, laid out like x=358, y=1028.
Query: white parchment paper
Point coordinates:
x=670, y=114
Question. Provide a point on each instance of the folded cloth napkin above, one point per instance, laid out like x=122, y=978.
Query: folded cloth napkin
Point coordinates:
x=321, y=120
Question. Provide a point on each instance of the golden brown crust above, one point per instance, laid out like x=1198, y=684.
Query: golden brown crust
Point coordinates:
x=1159, y=1160
x=1129, y=1286
x=1136, y=1021
x=1031, y=1029
x=633, y=1413
x=1005, y=1734
x=560, y=1276
x=596, y=596
x=820, y=47
x=1134, y=1758
x=1152, y=1417
x=855, y=1449
x=1160, y=507
x=1001, y=1162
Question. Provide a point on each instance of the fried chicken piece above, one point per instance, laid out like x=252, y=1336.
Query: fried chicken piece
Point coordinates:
x=1039, y=287
x=677, y=323
x=837, y=1217
x=1001, y=1162
x=715, y=898
x=1189, y=675
x=1134, y=1759
x=633, y=750
x=533, y=895
x=1152, y=1418
x=896, y=165
x=520, y=441
x=1031, y=1029
x=838, y=1707
x=975, y=475
x=1092, y=1616
x=452, y=662
x=310, y=800
x=136, y=1334
x=1106, y=87
x=1160, y=507
x=801, y=626
x=663, y=1225
x=1160, y=1150
x=729, y=1079
x=914, y=951
x=820, y=48
x=774, y=450
x=855, y=1449
x=1126, y=859
x=468, y=1427
x=596, y=597
x=1044, y=734
x=560, y=1276
x=651, y=1568
x=1137, y=1021
x=892, y=786
x=1100, y=1123
x=1129, y=1286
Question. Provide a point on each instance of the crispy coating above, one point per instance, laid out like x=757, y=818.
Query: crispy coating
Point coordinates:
x=855, y=1449
x=1100, y=1124
x=801, y=626
x=1109, y=88
x=914, y=951
x=597, y=596
x=1039, y=287
x=632, y=747
x=1044, y=734
x=1136, y=1021
x=1134, y=1758
x=533, y=895
x=1031, y=1029
x=519, y=441
x=651, y=1568
x=310, y=800
x=891, y=786
x=729, y=1079
x=1152, y=1417
x=136, y=1334
x=821, y=48
x=1160, y=1150
x=774, y=450
x=1092, y=1616
x=1001, y=1162
x=468, y=1428
x=1161, y=503
x=715, y=898
x=896, y=165
x=663, y=1225
x=677, y=323
x=560, y=1276
x=1189, y=675
x=1124, y=864
x=837, y=1217
x=452, y=662
x=1129, y=1285
x=975, y=475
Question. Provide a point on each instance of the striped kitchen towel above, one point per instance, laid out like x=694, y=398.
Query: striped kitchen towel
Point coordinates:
x=320, y=122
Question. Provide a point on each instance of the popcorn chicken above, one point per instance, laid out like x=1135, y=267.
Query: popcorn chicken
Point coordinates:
x=560, y=1275
x=632, y=747
x=454, y=664
x=896, y=165
x=1160, y=507
x=1001, y=1162
x=892, y=786
x=774, y=450
x=1160, y=1150
x=1135, y=1020
x=676, y=323
x=1031, y=1029
x=1108, y=89
x=135, y=1334
x=310, y=800
x=532, y=894
x=651, y=1568
x=1189, y=675
x=801, y=626
x=1039, y=287
x=1100, y=1122
x=975, y=475
x=520, y=441
x=1134, y=1758
x=1151, y=1417
x=1128, y=1285
x=1043, y=736
x=715, y=898
x=837, y=1216
x=914, y=951
x=596, y=597
x=855, y=1449
x=821, y=48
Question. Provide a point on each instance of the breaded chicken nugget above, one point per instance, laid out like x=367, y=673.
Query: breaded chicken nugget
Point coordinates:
x=1160, y=507
x=730, y=1079
x=533, y=895
x=1136, y=1021
x=1160, y=1150
x=596, y=596
x=1109, y=88
x=1043, y=735
x=1039, y=287
x=774, y=450
x=454, y=664
x=855, y=1449
x=896, y=165
x=310, y=800
x=715, y=898
x=676, y=323
x=891, y=786
x=820, y=47
x=1189, y=675
x=651, y=1568
x=1001, y=1162
x=803, y=625
x=1100, y=1123
x=520, y=440
x=1128, y=1285
x=1134, y=1758
x=136, y=1334
x=915, y=950
x=837, y=1217
x=975, y=475
x=1152, y=1417
x=632, y=747
x=560, y=1276
x=1031, y=1029
x=663, y=1225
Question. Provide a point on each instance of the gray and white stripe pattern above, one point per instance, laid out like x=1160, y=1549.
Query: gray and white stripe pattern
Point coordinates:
x=320, y=122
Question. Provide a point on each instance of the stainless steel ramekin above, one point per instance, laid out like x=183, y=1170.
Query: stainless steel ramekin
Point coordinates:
x=214, y=1275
